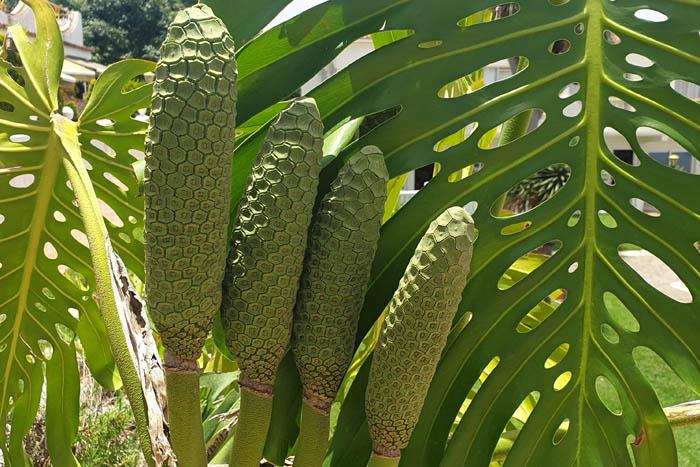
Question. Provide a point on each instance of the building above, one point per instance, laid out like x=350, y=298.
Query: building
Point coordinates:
x=77, y=66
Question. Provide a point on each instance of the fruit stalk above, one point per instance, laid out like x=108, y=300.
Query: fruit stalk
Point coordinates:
x=182, y=385
x=313, y=436
x=251, y=429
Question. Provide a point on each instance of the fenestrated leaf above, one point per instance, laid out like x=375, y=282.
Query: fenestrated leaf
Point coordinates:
x=408, y=75
x=47, y=293
x=563, y=42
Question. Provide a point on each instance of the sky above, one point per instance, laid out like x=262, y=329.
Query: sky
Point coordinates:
x=294, y=8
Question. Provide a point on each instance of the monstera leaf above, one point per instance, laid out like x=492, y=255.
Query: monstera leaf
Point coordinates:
x=48, y=210
x=549, y=338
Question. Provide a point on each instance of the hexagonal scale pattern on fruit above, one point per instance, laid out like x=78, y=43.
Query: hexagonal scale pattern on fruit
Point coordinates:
x=269, y=242
x=338, y=263
x=187, y=183
x=416, y=328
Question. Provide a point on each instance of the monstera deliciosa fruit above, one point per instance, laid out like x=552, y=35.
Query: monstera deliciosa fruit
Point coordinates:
x=546, y=338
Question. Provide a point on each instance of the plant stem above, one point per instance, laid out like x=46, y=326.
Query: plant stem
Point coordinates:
x=251, y=429
x=313, y=437
x=380, y=461
x=96, y=233
x=184, y=412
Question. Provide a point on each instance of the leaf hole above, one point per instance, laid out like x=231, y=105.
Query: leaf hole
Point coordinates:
x=489, y=14
x=557, y=355
x=50, y=251
x=528, y=263
x=573, y=267
x=619, y=147
x=533, y=191
x=474, y=390
x=633, y=77
x=22, y=181
x=686, y=89
x=125, y=238
x=430, y=44
x=573, y=142
x=7, y=107
x=518, y=420
x=74, y=277
x=488, y=142
x=607, y=178
x=579, y=28
x=561, y=431
x=40, y=306
x=619, y=313
x=639, y=60
x=79, y=237
x=456, y=138
x=136, y=154
x=560, y=47
x=562, y=381
x=74, y=313
x=30, y=359
x=543, y=310
x=653, y=16
x=569, y=90
x=621, y=104
x=105, y=122
x=466, y=172
x=471, y=207
x=65, y=333
x=114, y=180
x=611, y=38
x=608, y=395
x=516, y=228
x=20, y=138
x=574, y=218
x=609, y=334
x=45, y=348
x=474, y=81
x=645, y=207
x=110, y=214
x=607, y=219
x=58, y=215
x=48, y=293
x=87, y=164
x=104, y=148
x=655, y=272
x=681, y=159
x=573, y=110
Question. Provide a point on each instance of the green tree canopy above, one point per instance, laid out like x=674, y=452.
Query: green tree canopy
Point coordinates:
x=120, y=29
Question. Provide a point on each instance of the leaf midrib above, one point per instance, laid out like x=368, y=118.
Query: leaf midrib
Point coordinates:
x=594, y=73
x=47, y=181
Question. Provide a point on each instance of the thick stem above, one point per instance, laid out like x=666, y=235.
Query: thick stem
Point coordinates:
x=381, y=461
x=313, y=437
x=184, y=412
x=96, y=233
x=251, y=429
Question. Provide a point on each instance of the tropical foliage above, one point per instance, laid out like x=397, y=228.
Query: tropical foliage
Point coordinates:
x=538, y=360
